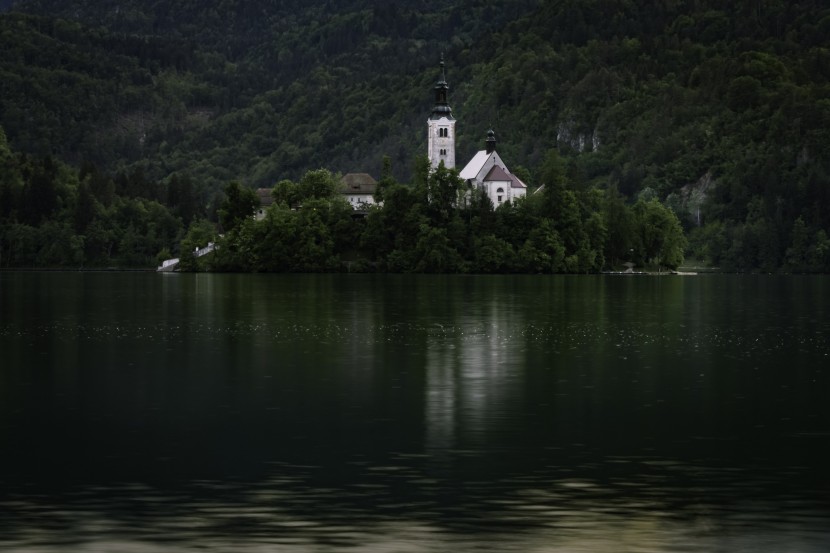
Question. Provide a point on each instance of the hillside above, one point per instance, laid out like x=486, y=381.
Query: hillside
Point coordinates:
x=719, y=112
x=259, y=90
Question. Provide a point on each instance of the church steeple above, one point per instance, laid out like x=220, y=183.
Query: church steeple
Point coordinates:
x=441, y=125
x=442, y=106
x=490, y=143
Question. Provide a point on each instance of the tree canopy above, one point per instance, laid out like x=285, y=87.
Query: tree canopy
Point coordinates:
x=719, y=112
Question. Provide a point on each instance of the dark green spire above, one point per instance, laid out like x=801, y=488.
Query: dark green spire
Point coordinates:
x=490, y=143
x=442, y=106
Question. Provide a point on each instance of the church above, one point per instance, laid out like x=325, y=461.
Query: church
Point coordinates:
x=486, y=170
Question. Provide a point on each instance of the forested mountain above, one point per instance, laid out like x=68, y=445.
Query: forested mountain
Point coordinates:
x=252, y=89
x=720, y=111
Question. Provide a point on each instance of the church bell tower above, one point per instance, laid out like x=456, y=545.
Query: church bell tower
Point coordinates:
x=441, y=126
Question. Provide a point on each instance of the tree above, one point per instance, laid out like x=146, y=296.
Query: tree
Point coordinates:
x=620, y=225
x=660, y=233
x=85, y=207
x=199, y=234
x=101, y=185
x=592, y=249
x=320, y=183
x=443, y=188
x=239, y=204
x=434, y=252
x=100, y=240
x=181, y=198
x=11, y=181
x=386, y=179
x=286, y=192
x=393, y=227
x=493, y=255
x=797, y=253
x=553, y=178
x=543, y=251
x=819, y=253
x=314, y=245
x=41, y=192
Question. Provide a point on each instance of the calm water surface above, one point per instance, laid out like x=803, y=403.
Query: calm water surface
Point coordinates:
x=326, y=413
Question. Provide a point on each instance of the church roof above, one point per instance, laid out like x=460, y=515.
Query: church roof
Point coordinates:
x=499, y=174
x=516, y=182
x=473, y=168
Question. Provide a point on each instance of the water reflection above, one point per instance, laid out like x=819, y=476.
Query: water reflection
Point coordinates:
x=639, y=505
x=472, y=369
x=332, y=413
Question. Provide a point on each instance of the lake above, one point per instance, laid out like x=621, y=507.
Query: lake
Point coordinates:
x=323, y=413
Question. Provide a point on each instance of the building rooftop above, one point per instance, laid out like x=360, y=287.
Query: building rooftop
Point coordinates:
x=265, y=196
x=499, y=174
x=472, y=169
x=358, y=183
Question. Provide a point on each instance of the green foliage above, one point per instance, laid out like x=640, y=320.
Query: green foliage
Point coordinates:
x=717, y=110
x=53, y=216
x=658, y=234
x=493, y=255
x=200, y=233
x=319, y=184
x=239, y=204
x=254, y=90
x=543, y=251
x=287, y=193
x=387, y=179
x=434, y=252
x=443, y=189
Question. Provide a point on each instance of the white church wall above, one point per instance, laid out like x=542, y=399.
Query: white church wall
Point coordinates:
x=441, y=147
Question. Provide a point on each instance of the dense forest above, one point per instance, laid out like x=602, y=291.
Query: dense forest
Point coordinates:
x=132, y=125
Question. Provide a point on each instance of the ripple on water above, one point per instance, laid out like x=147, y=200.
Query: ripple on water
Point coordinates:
x=630, y=504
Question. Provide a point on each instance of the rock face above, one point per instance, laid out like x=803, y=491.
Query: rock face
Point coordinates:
x=577, y=135
x=690, y=197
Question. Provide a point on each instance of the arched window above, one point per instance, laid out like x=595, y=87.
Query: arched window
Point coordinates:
x=500, y=191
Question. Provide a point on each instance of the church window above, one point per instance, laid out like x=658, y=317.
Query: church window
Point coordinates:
x=499, y=198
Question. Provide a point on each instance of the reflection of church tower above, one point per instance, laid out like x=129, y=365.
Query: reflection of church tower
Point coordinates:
x=441, y=123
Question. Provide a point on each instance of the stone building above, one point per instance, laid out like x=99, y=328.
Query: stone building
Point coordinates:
x=359, y=189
